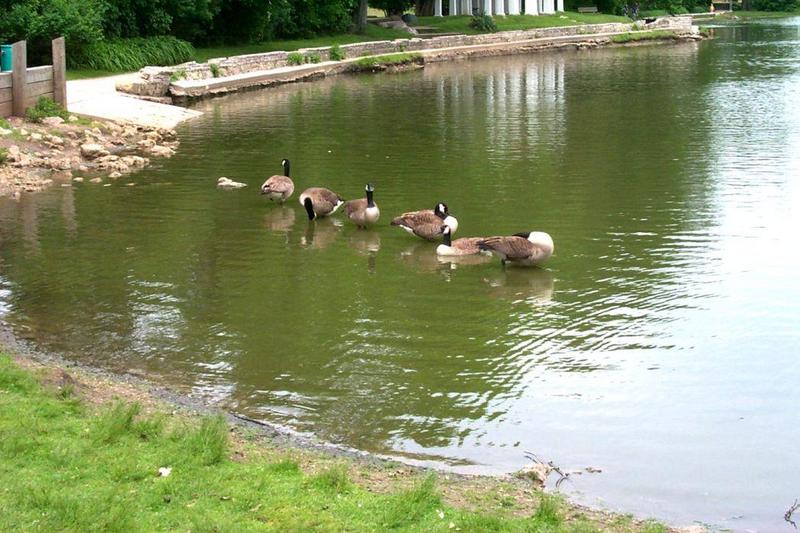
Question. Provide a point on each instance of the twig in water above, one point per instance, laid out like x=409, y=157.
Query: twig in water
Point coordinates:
x=533, y=457
x=790, y=511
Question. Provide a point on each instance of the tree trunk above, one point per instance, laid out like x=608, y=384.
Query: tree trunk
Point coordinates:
x=360, y=17
x=423, y=8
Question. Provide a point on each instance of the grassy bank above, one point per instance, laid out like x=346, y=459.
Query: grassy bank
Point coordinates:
x=649, y=36
x=754, y=15
x=460, y=24
x=73, y=458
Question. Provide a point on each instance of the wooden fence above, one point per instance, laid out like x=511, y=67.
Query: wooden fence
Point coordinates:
x=23, y=86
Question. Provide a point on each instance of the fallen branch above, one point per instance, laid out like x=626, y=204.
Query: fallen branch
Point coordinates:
x=790, y=511
x=533, y=457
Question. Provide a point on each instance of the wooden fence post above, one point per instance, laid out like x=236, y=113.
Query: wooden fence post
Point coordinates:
x=59, y=72
x=19, y=75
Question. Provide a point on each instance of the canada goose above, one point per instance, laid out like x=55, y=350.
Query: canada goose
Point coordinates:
x=525, y=249
x=320, y=202
x=364, y=211
x=463, y=246
x=279, y=188
x=427, y=223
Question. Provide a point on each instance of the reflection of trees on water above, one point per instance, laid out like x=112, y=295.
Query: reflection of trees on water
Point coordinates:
x=249, y=303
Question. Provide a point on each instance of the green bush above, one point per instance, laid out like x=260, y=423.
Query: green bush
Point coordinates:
x=313, y=57
x=45, y=107
x=3, y=155
x=40, y=21
x=774, y=5
x=336, y=53
x=295, y=58
x=214, y=69
x=131, y=54
x=483, y=23
x=392, y=7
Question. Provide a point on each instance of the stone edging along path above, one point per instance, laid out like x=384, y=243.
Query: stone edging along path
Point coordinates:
x=188, y=81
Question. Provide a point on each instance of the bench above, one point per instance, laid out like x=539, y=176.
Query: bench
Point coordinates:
x=587, y=9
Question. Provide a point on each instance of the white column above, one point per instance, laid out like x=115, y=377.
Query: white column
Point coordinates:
x=531, y=7
x=466, y=7
x=487, y=7
x=513, y=7
x=551, y=4
x=437, y=8
x=499, y=7
x=560, y=5
x=453, y=6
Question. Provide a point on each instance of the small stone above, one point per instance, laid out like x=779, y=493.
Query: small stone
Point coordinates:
x=52, y=121
x=92, y=150
x=536, y=472
x=23, y=132
x=77, y=179
x=114, y=175
x=96, y=180
x=5, y=132
x=162, y=151
x=36, y=137
x=73, y=118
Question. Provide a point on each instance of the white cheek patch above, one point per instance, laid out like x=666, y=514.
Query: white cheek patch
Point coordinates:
x=452, y=222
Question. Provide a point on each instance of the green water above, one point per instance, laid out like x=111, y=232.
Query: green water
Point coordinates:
x=659, y=344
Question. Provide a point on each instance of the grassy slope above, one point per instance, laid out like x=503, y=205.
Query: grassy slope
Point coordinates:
x=521, y=22
x=67, y=465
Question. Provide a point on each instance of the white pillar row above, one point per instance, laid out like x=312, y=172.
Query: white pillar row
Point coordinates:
x=453, y=4
x=466, y=7
x=513, y=7
x=437, y=8
x=487, y=7
x=551, y=6
x=560, y=5
x=499, y=7
x=531, y=7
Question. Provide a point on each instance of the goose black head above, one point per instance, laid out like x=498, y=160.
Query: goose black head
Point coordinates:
x=286, y=166
x=441, y=210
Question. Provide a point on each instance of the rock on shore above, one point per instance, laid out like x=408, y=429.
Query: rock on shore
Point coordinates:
x=38, y=155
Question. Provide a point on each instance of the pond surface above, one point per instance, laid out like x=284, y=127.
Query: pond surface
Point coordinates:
x=660, y=343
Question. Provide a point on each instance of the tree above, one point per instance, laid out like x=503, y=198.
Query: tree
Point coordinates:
x=423, y=8
x=360, y=16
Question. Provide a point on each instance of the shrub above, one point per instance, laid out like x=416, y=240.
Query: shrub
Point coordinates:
x=484, y=23
x=336, y=53
x=3, y=155
x=774, y=5
x=214, y=69
x=295, y=58
x=45, y=107
x=124, y=55
x=313, y=57
x=115, y=421
x=208, y=444
x=334, y=479
x=177, y=75
x=40, y=21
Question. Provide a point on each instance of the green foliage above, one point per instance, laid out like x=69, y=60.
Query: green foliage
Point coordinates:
x=313, y=57
x=115, y=422
x=774, y=5
x=483, y=23
x=130, y=54
x=392, y=7
x=295, y=58
x=6, y=125
x=336, y=53
x=334, y=479
x=549, y=510
x=45, y=107
x=3, y=155
x=367, y=63
x=179, y=74
x=208, y=443
x=40, y=21
x=411, y=505
x=214, y=69
x=651, y=35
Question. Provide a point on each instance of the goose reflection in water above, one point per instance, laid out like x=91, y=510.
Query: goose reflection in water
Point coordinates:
x=321, y=233
x=422, y=258
x=366, y=243
x=517, y=284
x=280, y=220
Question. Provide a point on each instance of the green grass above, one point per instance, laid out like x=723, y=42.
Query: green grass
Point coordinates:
x=3, y=155
x=648, y=36
x=460, y=24
x=373, y=33
x=70, y=466
x=370, y=62
x=754, y=15
x=45, y=107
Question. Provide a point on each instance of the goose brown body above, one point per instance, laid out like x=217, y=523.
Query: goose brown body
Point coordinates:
x=279, y=188
x=320, y=202
x=427, y=223
x=521, y=248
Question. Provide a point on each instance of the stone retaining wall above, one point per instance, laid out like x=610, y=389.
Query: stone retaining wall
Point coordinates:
x=156, y=82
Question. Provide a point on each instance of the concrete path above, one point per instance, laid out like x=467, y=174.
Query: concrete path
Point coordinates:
x=98, y=98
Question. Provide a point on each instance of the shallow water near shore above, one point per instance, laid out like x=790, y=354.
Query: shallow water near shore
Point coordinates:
x=659, y=344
